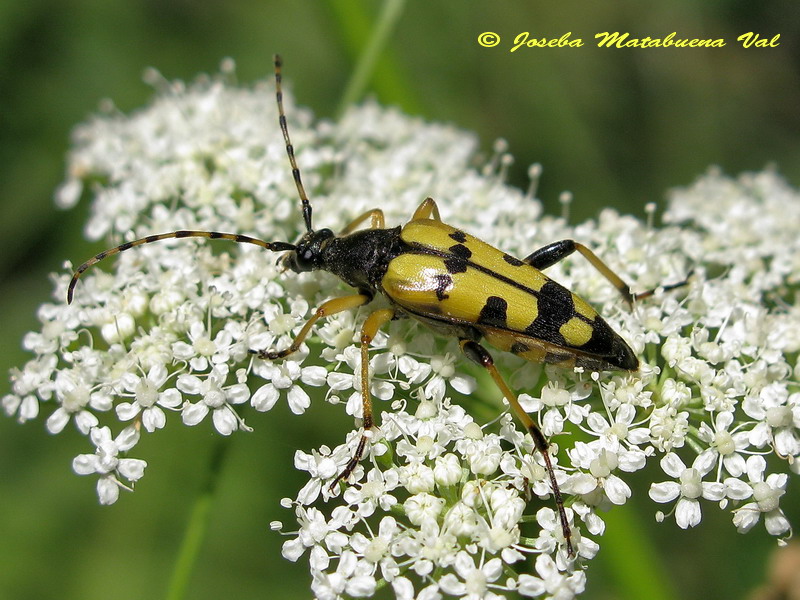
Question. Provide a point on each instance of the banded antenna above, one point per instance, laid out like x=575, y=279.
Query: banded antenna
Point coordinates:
x=289, y=148
x=213, y=235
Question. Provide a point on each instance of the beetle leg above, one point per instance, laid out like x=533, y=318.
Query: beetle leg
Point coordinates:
x=664, y=288
x=377, y=221
x=478, y=354
x=552, y=253
x=368, y=332
x=427, y=210
x=330, y=307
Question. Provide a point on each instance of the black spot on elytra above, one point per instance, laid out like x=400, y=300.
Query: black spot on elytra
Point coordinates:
x=443, y=283
x=494, y=312
x=461, y=251
x=514, y=262
x=459, y=236
x=603, y=339
x=457, y=261
x=455, y=265
x=555, y=307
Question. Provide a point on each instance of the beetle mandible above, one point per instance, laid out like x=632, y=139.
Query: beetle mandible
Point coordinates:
x=453, y=283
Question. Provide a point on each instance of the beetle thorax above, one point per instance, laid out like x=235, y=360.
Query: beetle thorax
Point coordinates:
x=360, y=259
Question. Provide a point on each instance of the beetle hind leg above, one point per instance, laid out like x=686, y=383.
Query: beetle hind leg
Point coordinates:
x=552, y=253
x=427, y=210
x=478, y=354
x=368, y=332
x=664, y=288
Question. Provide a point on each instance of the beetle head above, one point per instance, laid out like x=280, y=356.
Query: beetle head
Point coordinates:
x=307, y=254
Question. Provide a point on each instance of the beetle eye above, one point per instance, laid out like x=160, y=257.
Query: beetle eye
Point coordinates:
x=301, y=261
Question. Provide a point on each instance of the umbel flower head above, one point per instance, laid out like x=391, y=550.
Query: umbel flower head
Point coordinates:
x=448, y=502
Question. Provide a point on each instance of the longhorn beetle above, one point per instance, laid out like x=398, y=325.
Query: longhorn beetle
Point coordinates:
x=450, y=281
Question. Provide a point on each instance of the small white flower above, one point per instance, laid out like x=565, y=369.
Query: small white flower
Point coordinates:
x=217, y=398
x=620, y=429
x=766, y=495
x=322, y=466
x=377, y=549
x=779, y=416
x=283, y=376
x=471, y=581
x=668, y=428
x=727, y=445
x=558, y=406
x=629, y=390
x=377, y=492
x=423, y=507
x=317, y=532
x=601, y=461
x=29, y=386
x=557, y=584
x=484, y=455
x=447, y=470
x=148, y=398
x=58, y=331
x=75, y=396
x=107, y=463
x=689, y=487
x=551, y=537
x=349, y=578
x=202, y=350
x=417, y=477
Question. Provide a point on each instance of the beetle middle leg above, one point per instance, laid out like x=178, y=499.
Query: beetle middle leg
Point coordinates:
x=368, y=332
x=478, y=354
x=377, y=221
x=552, y=253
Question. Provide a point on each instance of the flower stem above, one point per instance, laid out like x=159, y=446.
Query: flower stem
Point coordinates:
x=632, y=559
x=356, y=26
x=198, y=524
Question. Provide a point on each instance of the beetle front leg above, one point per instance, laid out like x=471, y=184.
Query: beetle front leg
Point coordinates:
x=330, y=307
x=478, y=354
x=368, y=332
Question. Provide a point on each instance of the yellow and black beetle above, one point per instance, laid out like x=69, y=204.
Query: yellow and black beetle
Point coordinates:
x=453, y=283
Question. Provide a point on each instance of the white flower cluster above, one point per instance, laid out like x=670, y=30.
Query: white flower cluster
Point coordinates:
x=443, y=503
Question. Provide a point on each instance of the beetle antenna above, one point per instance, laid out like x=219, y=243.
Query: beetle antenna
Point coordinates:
x=289, y=148
x=214, y=235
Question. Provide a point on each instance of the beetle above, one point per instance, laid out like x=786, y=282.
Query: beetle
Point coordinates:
x=451, y=282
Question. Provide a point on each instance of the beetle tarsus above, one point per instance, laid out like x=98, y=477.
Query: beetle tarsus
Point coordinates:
x=352, y=464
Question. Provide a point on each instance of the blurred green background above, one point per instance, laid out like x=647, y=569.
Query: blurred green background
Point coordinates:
x=616, y=127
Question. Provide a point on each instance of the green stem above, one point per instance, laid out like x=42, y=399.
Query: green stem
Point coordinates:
x=197, y=525
x=631, y=558
x=379, y=36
